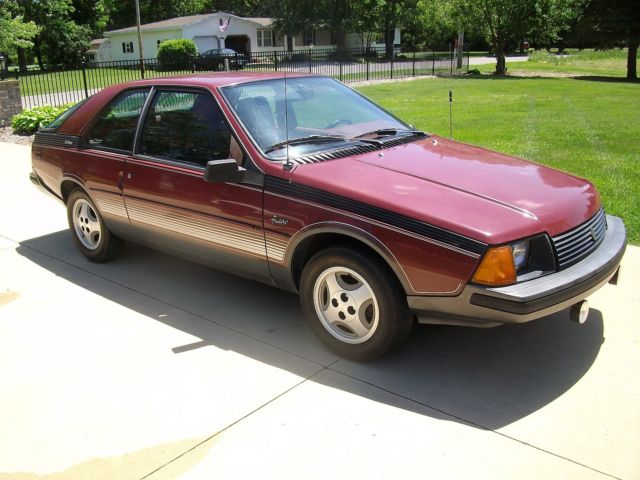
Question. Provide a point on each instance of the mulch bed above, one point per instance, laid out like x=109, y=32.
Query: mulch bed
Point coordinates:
x=7, y=135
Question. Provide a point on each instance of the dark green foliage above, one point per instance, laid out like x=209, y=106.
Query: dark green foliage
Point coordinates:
x=616, y=23
x=177, y=54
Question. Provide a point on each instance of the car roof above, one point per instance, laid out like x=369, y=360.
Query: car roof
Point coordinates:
x=214, y=80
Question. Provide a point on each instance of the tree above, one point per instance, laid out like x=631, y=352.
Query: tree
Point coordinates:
x=68, y=23
x=504, y=22
x=14, y=32
x=553, y=18
x=617, y=23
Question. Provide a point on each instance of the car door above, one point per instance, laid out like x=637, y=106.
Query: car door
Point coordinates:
x=172, y=206
x=106, y=146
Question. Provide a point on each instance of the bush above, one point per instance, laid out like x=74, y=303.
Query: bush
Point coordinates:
x=28, y=121
x=177, y=54
x=340, y=54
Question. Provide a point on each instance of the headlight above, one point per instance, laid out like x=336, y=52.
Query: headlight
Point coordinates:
x=519, y=261
x=520, y=254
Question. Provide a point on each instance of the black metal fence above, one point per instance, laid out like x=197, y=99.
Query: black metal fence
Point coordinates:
x=58, y=85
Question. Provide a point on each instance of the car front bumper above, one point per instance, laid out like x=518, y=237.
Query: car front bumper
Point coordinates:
x=526, y=301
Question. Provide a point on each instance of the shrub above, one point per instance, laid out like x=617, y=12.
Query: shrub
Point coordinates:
x=177, y=54
x=340, y=54
x=474, y=71
x=28, y=121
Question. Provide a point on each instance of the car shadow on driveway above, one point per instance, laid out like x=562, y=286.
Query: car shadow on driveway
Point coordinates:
x=488, y=378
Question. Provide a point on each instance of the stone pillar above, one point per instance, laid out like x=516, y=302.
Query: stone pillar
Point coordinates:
x=10, y=102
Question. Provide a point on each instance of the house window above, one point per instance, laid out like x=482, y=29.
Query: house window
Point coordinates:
x=308, y=37
x=265, y=38
x=127, y=47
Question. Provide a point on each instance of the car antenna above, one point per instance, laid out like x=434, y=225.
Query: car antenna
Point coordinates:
x=450, y=115
x=288, y=164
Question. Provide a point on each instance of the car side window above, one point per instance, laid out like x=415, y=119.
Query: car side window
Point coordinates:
x=186, y=127
x=116, y=126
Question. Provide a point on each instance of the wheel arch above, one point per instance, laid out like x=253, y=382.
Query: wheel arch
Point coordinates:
x=69, y=184
x=314, y=238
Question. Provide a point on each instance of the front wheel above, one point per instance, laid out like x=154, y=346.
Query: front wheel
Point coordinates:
x=88, y=230
x=352, y=305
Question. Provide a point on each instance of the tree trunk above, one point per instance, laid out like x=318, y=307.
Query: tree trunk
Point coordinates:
x=501, y=63
x=389, y=33
x=22, y=60
x=38, y=52
x=631, y=62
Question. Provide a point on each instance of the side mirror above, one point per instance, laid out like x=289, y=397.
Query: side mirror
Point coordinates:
x=226, y=170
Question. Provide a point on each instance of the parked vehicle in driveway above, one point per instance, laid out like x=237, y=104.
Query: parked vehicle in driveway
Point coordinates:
x=214, y=60
x=305, y=184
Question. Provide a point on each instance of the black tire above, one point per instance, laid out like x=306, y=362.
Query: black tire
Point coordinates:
x=394, y=320
x=106, y=244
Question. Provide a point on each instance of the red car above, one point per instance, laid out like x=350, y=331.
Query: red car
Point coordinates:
x=305, y=184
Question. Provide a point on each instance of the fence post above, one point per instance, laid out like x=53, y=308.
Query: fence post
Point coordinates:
x=310, y=53
x=84, y=78
x=193, y=64
x=433, y=63
x=413, y=71
x=468, y=56
x=275, y=60
x=367, y=57
x=391, y=63
x=340, y=63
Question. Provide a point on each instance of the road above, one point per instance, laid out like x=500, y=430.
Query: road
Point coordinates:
x=155, y=367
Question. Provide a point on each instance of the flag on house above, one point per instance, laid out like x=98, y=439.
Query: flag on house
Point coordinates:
x=224, y=25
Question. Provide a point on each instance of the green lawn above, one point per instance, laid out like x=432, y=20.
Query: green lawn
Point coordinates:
x=610, y=63
x=586, y=127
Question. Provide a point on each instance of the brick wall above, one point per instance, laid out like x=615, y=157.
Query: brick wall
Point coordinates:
x=10, y=103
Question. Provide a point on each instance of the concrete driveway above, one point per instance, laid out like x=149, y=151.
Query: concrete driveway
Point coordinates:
x=154, y=367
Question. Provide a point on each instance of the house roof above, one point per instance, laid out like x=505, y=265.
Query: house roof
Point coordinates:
x=179, y=22
x=171, y=23
x=264, y=21
x=96, y=43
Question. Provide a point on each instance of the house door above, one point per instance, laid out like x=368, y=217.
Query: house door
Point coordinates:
x=289, y=43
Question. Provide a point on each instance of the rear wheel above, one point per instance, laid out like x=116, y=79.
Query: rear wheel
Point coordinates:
x=88, y=230
x=352, y=305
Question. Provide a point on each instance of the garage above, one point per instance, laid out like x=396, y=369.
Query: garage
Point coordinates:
x=204, y=43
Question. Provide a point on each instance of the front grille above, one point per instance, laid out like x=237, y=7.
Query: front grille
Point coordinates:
x=576, y=244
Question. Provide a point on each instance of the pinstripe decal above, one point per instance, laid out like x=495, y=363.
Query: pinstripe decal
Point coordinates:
x=245, y=239
x=375, y=214
x=276, y=246
x=110, y=204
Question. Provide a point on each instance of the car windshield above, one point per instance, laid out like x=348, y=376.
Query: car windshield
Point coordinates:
x=320, y=110
x=228, y=51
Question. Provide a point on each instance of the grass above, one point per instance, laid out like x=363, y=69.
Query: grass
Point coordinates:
x=586, y=127
x=610, y=63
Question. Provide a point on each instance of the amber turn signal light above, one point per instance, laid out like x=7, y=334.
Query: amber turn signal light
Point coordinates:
x=497, y=267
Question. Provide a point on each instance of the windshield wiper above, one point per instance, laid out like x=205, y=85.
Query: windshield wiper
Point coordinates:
x=303, y=140
x=391, y=131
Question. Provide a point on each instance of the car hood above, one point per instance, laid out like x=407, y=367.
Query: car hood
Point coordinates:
x=472, y=191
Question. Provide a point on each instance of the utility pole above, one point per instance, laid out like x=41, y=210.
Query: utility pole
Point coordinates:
x=139, y=38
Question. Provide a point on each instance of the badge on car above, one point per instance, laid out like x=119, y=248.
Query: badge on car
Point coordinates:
x=276, y=220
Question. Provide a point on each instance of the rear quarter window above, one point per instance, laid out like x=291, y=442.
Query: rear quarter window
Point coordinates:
x=116, y=125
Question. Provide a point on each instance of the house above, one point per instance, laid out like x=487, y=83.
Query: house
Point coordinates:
x=99, y=50
x=220, y=30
